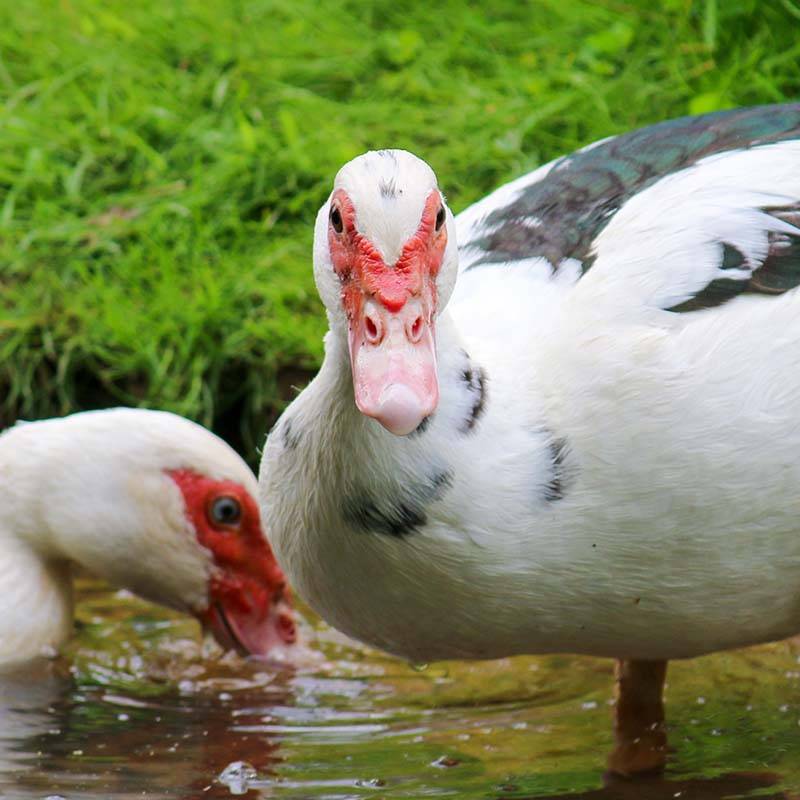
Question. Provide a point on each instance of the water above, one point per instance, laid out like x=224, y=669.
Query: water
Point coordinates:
x=139, y=709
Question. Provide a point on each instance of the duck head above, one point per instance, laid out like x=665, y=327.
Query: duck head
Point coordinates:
x=385, y=265
x=248, y=606
x=156, y=504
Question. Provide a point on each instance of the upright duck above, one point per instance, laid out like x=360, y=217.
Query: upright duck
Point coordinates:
x=567, y=420
x=147, y=500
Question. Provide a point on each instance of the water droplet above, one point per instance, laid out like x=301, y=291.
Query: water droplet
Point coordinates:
x=588, y=705
x=701, y=701
x=123, y=717
x=225, y=696
x=419, y=666
x=237, y=776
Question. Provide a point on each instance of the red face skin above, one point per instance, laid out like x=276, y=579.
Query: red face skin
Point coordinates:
x=249, y=606
x=390, y=309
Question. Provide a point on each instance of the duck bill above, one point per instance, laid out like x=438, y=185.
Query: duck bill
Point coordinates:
x=393, y=359
x=247, y=621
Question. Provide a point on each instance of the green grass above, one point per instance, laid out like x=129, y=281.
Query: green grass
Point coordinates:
x=161, y=162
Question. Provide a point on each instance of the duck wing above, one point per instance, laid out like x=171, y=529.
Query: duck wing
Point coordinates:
x=685, y=214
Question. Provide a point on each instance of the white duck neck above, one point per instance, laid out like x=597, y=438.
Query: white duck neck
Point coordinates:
x=388, y=462
x=38, y=601
x=35, y=578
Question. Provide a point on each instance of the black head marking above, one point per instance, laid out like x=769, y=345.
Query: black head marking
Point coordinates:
x=397, y=514
x=387, y=188
x=390, y=154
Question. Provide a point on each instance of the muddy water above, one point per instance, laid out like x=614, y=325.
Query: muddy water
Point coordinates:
x=140, y=709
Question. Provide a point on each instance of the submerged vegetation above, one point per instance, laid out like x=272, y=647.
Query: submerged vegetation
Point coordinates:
x=161, y=163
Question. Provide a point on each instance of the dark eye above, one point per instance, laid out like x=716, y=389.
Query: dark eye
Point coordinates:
x=336, y=220
x=225, y=511
x=440, y=218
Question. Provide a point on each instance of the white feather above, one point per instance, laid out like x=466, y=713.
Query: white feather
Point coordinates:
x=664, y=244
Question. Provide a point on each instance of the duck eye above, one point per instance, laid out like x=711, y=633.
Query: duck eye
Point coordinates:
x=440, y=218
x=225, y=511
x=336, y=220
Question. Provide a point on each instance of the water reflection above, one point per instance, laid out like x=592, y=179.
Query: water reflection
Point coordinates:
x=86, y=742
x=27, y=707
x=722, y=787
x=139, y=707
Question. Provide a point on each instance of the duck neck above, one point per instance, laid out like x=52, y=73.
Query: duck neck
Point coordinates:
x=37, y=601
x=35, y=576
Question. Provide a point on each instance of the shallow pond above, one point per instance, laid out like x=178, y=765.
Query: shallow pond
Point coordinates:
x=143, y=711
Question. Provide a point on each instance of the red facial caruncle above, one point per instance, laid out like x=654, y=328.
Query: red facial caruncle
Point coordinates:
x=391, y=310
x=249, y=608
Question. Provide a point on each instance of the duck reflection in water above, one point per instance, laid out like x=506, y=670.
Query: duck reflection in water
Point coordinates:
x=60, y=740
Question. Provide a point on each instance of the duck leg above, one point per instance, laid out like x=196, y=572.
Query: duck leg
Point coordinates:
x=639, y=731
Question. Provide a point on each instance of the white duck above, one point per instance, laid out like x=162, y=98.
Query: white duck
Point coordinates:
x=591, y=444
x=147, y=500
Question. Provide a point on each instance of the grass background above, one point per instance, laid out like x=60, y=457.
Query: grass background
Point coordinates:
x=161, y=163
